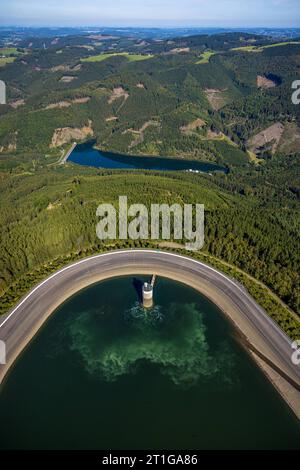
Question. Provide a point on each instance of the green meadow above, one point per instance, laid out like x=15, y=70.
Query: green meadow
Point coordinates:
x=204, y=59
x=130, y=57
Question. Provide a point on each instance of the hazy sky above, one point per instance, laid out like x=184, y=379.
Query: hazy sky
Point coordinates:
x=228, y=13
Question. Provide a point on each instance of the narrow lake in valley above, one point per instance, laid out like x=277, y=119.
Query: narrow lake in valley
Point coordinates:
x=104, y=373
x=87, y=154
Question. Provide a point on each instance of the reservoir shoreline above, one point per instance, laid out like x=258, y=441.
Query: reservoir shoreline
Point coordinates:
x=88, y=154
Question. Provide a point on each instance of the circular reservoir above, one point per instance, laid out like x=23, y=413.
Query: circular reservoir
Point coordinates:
x=104, y=373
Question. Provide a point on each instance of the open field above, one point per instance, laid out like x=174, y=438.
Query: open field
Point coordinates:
x=245, y=49
x=204, y=59
x=261, y=48
x=216, y=98
x=8, y=55
x=266, y=139
x=253, y=158
x=6, y=60
x=288, y=43
x=130, y=57
x=7, y=51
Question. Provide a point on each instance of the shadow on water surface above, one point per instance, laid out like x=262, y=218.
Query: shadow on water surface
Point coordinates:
x=138, y=286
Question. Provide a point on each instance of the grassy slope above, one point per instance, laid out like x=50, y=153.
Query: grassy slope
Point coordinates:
x=130, y=57
x=204, y=59
x=261, y=48
x=6, y=60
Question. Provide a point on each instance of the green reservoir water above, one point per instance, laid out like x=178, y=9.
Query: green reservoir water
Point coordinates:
x=103, y=373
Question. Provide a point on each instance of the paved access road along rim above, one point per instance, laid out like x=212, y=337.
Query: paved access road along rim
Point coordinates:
x=263, y=334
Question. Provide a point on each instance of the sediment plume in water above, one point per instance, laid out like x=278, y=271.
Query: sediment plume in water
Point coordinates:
x=172, y=338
